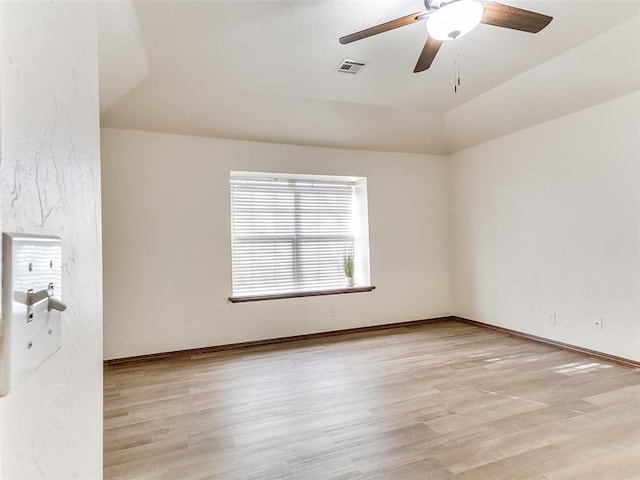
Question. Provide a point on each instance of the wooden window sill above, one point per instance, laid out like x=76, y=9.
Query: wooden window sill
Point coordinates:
x=316, y=293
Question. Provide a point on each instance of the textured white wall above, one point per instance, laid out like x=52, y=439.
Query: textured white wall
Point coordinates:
x=167, y=246
x=548, y=220
x=50, y=184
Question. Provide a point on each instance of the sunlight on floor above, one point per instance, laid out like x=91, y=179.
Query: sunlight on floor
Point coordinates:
x=578, y=368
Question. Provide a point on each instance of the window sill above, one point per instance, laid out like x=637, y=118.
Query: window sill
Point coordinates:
x=316, y=293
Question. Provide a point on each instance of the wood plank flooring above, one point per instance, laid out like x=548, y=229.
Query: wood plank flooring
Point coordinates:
x=439, y=401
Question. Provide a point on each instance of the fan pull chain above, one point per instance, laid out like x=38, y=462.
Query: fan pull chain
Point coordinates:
x=456, y=70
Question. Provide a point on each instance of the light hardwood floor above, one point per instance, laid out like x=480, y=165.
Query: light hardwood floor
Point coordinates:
x=439, y=401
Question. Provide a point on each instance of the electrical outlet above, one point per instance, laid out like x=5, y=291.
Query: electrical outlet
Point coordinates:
x=597, y=323
x=551, y=318
x=332, y=312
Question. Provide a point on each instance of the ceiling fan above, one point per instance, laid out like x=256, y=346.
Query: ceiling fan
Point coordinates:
x=451, y=19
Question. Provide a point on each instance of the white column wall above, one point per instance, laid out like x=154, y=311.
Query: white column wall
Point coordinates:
x=50, y=184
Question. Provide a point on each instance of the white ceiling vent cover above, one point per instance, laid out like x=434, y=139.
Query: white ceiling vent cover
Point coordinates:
x=350, y=66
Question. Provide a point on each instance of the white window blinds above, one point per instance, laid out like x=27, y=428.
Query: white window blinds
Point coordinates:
x=289, y=235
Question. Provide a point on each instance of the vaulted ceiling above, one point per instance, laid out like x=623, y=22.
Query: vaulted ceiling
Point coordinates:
x=266, y=70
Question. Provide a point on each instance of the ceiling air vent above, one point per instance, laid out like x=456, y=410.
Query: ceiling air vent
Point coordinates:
x=350, y=66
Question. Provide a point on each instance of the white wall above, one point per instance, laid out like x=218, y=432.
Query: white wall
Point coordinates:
x=547, y=220
x=167, y=250
x=50, y=184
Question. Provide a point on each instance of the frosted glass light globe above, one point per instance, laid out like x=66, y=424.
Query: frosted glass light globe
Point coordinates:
x=455, y=19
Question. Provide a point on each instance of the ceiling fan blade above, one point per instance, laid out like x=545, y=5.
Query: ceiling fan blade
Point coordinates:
x=383, y=27
x=515, y=18
x=429, y=52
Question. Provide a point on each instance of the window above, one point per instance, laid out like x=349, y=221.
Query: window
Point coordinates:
x=289, y=233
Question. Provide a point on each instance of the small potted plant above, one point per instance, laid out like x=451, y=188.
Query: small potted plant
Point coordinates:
x=347, y=266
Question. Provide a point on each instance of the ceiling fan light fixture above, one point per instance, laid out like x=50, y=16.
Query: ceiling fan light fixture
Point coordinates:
x=455, y=19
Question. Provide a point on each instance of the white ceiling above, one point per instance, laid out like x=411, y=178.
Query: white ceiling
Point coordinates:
x=265, y=70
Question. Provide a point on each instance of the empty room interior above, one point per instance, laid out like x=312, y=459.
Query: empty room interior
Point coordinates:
x=320, y=239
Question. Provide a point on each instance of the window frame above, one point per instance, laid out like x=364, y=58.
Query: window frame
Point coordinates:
x=358, y=239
